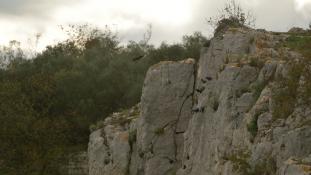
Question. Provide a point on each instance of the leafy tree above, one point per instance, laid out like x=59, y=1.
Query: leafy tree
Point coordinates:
x=10, y=53
x=193, y=44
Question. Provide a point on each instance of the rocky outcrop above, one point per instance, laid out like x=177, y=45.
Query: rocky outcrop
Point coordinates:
x=109, y=149
x=221, y=116
x=152, y=143
x=237, y=133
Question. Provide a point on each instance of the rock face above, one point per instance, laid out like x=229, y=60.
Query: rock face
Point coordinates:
x=166, y=109
x=109, y=149
x=153, y=143
x=220, y=118
x=237, y=133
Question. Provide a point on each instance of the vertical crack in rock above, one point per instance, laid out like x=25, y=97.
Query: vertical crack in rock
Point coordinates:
x=104, y=136
x=195, y=73
x=131, y=142
x=182, y=105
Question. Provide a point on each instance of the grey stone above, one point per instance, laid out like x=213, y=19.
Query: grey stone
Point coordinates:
x=166, y=109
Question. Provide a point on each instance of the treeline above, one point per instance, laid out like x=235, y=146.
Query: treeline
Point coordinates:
x=47, y=103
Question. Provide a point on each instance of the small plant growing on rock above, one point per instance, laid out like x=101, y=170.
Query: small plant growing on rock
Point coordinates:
x=267, y=167
x=215, y=105
x=242, y=91
x=173, y=171
x=98, y=125
x=284, y=104
x=252, y=127
x=252, y=40
x=159, y=131
x=257, y=88
x=92, y=128
x=240, y=162
x=132, y=136
x=256, y=62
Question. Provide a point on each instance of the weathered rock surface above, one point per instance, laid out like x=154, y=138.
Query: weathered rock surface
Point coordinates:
x=109, y=149
x=219, y=119
x=165, y=111
x=153, y=143
x=221, y=140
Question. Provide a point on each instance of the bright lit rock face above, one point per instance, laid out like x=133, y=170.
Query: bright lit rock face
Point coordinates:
x=153, y=142
x=214, y=117
x=166, y=104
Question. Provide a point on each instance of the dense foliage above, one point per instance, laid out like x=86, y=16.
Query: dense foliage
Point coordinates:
x=48, y=102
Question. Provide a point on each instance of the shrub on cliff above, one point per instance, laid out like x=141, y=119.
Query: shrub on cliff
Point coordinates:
x=232, y=15
x=295, y=88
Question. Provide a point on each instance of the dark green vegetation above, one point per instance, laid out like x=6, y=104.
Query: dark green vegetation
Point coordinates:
x=297, y=85
x=159, y=131
x=256, y=62
x=257, y=89
x=49, y=102
x=252, y=127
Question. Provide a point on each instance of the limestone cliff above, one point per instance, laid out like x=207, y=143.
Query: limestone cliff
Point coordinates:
x=221, y=116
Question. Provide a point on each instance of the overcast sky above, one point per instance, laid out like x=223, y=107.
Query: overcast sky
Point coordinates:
x=23, y=19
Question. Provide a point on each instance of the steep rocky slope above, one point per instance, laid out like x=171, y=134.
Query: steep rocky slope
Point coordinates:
x=230, y=113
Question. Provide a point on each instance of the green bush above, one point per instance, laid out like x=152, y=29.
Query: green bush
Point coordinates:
x=257, y=88
x=256, y=62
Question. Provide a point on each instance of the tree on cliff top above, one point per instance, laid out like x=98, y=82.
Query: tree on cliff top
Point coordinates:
x=232, y=15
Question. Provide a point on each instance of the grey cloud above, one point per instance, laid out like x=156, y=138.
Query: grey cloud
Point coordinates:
x=276, y=15
x=30, y=7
